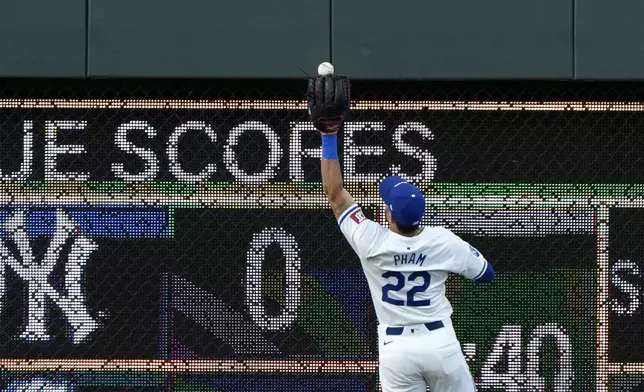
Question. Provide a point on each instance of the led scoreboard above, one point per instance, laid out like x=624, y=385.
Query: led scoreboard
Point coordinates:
x=187, y=245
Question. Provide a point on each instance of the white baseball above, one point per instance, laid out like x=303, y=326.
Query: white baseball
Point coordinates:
x=325, y=69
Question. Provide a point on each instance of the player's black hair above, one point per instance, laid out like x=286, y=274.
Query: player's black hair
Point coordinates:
x=407, y=229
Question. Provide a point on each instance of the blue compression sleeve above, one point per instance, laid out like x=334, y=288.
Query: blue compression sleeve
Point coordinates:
x=330, y=146
x=488, y=275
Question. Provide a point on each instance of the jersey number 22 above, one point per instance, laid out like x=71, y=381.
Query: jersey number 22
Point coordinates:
x=400, y=284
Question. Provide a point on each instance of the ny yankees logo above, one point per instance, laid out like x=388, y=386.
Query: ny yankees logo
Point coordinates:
x=71, y=299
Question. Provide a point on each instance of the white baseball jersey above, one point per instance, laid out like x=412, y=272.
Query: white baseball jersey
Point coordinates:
x=406, y=275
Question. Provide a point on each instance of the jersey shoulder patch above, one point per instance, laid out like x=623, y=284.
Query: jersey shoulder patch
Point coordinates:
x=358, y=216
x=474, y=251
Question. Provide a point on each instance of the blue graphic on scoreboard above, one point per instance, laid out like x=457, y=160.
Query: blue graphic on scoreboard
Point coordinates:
x=97, y=222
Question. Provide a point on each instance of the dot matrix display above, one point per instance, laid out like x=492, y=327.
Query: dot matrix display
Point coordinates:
x=187, y=245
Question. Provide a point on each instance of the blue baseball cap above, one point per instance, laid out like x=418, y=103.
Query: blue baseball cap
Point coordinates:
x=406, y=202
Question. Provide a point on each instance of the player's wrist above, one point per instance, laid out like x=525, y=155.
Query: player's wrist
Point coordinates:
x=329, y=145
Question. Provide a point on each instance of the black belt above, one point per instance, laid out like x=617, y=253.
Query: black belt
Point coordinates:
x=434, y=325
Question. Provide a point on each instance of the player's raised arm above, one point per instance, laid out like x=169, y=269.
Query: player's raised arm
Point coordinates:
x=328, y=101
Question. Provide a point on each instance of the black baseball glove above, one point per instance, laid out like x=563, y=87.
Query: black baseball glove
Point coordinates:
x=328, y=100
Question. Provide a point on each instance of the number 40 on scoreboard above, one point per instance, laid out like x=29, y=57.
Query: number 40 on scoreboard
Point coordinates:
x=504, y=367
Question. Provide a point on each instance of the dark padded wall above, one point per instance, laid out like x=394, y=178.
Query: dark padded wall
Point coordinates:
x=42, y=38
x=610, y=39
x=453, y=39
x=205, y=38
x=374, y=39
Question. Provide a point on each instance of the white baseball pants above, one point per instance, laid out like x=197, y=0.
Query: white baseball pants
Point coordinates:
x=419, y=358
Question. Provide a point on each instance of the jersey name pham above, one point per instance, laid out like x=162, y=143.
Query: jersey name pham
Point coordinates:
x=409, y=258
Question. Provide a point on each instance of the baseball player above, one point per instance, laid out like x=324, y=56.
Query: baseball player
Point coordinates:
x=406, y=265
